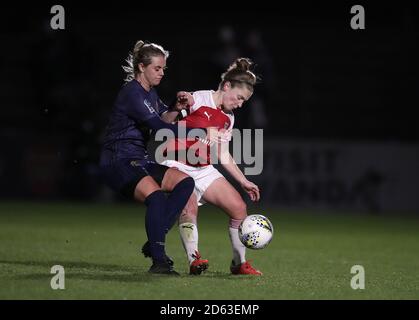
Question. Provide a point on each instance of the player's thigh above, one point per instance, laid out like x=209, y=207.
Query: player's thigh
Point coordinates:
x=144, y=188
x=223, y=195
x=171, y=178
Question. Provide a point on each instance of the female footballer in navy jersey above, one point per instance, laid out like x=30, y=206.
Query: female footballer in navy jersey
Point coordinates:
x=124, y=162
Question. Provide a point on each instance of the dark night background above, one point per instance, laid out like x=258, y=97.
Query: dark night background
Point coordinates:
x=321, y=80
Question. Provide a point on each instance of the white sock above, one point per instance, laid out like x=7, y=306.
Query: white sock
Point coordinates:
x=189, y=236
x=239, y=250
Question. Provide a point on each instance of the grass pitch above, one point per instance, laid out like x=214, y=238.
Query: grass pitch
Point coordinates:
x=310, y=256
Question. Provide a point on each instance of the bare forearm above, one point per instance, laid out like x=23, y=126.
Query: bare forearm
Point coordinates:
x=251, y=189
x=233, y=169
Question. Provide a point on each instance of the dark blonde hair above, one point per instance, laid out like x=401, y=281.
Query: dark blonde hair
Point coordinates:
x=239, y=74
x=142, y=53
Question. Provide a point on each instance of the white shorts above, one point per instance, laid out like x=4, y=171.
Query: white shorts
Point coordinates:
x=203, y=176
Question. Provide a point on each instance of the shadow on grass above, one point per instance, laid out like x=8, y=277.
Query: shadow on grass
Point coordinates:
x=109, y=272
x=87, y=271
x=224, y=276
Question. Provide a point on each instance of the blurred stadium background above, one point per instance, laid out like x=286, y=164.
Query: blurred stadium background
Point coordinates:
x=337, y=105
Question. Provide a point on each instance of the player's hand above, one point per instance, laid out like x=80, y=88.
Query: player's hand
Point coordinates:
x=184, y=100
x=251, y=189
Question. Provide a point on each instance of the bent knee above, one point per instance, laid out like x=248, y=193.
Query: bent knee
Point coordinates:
x=174, y=177
x=187, y=181
x=238, y=210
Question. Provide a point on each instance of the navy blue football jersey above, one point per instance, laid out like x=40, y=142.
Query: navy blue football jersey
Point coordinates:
x=127, y=134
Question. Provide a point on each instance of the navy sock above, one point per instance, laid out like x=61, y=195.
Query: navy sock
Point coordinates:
x=155, y=223
x=178, y=199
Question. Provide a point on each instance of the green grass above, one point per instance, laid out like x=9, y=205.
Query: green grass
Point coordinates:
x=310, y=256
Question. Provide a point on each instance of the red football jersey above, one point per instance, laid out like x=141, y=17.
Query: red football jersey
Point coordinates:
x=203, y=114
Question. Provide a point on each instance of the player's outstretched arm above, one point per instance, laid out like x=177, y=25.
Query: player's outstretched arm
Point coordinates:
x=227, y=161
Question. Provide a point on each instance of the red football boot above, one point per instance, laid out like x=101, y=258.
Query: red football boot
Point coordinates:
x=244, y=268
x=198, y=265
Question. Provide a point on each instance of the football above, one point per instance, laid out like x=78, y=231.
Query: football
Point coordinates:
x=256, y=231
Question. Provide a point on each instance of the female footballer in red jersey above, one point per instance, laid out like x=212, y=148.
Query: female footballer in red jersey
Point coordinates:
x=215, y=109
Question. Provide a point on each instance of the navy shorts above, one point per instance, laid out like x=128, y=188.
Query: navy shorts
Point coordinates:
x=123, y=175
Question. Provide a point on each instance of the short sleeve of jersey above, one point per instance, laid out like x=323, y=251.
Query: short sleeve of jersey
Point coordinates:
x=197, y=101
x=202, y=98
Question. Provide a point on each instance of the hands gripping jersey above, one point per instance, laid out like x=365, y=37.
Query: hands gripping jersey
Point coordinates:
x=203, y=114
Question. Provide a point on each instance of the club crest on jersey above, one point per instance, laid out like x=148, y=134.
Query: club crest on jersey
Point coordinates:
x=148, y=105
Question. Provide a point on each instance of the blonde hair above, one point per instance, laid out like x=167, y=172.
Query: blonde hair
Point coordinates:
x=142, y=53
